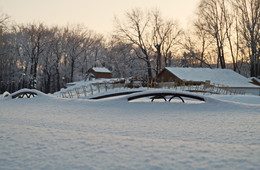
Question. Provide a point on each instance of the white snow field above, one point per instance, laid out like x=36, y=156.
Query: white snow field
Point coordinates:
x=48, y=132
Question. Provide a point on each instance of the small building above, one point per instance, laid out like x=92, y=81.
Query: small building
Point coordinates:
x=224, y=78
x=98, y=72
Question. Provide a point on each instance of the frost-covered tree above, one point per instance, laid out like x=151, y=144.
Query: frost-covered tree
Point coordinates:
x=32, y=43
x=3, y=47
x=80, y=44
x=122, y=61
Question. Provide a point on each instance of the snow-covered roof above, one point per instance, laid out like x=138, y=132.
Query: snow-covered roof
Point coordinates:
x=223, y=77
x=101, y=70
x=254, y=79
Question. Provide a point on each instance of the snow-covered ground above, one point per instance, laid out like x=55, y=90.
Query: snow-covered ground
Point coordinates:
x=47, y=132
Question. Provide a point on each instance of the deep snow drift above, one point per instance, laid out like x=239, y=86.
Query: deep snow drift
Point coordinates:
x=47, y=132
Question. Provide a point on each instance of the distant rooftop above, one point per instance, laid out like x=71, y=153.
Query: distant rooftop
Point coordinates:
x=223, y=77
x=101, y=70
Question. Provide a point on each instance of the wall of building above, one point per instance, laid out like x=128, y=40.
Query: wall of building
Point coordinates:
x=100, y=75
x=166, y=76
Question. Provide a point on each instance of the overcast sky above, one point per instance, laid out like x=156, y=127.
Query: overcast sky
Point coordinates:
x=97, y=15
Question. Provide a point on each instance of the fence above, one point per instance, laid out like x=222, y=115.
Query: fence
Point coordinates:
x=100, y=87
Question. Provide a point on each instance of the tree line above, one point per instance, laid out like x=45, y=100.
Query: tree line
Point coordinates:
x=225, y=34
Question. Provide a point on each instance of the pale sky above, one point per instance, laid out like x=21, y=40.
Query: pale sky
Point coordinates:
x=97, y=15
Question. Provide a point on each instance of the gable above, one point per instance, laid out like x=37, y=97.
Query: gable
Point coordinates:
x=167, y=76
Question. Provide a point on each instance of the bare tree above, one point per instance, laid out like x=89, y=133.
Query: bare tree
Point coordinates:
x=211, y=15
x=136, y=31
x=58, y=50
x=195, y=45
x=48, y=62
x=93, y=53
x=75, y=39
x=3, y=22
x=166, y=34
x=201, y=40
x=151, y=36
x=3, y=43
x=249, y=20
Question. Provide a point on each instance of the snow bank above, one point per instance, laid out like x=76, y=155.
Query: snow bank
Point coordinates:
x=53, y=133
x=248, y=99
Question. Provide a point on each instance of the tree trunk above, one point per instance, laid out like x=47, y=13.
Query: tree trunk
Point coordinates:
x=149, y=70
x=72, y=70
x=58, y=80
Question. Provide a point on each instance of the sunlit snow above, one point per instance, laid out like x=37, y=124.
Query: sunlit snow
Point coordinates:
x=48, y=132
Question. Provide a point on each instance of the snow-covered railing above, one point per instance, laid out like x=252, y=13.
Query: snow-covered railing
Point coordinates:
x=89, y=88
x=199, y=88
